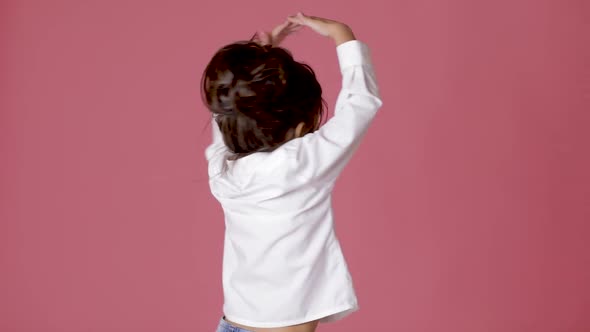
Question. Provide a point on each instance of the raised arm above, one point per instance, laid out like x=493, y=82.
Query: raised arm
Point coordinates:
x=322, y=155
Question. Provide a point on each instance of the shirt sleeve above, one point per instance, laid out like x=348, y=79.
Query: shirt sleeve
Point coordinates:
x=217, y=145
x=322, y=155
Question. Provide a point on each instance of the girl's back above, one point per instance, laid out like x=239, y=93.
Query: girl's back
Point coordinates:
x=283, y=267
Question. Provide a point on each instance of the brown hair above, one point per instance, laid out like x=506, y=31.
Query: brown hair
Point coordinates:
x=259, y=94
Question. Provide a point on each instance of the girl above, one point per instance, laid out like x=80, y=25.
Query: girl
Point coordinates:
x=272, y=168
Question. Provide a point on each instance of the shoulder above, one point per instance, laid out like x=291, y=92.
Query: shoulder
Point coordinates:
x=288, y=163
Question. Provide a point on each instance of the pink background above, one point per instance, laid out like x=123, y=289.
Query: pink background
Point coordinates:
x=466, y=209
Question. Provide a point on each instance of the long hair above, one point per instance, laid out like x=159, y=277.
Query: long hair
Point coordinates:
x=259, y=94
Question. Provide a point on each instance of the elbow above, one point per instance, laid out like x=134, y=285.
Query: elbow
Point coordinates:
x=369, y=101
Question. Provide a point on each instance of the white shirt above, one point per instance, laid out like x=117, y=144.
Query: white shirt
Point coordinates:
x=282, y=261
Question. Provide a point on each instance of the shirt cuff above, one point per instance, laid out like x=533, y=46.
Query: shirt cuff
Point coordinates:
x=353, y=52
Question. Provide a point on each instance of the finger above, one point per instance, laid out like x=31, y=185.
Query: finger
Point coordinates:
x=292, y=30
x=296, y=19
x=290, y=24
x=307, y=20
x=292, y=27
x=282, y=30
x=281, y=26
x=300, y=14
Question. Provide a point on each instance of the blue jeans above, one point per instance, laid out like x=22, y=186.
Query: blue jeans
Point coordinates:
x=225, y=326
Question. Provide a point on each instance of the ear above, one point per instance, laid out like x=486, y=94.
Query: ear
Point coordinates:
x=298, y=129
x=317, y=119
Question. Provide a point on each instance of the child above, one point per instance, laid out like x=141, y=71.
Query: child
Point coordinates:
x=272, y=168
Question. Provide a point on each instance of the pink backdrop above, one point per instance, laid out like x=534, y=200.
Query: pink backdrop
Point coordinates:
x=466, y=208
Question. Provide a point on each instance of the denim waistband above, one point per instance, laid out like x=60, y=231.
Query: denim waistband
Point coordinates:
x=225, y=326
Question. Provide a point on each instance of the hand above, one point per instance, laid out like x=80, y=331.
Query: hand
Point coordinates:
x=338, y=31
x=278, y=34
